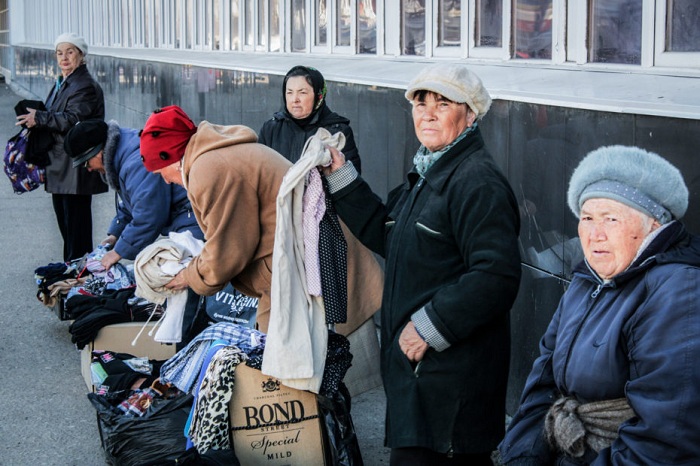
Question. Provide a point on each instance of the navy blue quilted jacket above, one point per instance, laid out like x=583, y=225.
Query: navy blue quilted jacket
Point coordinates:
x=637, y=336
x=146, y=206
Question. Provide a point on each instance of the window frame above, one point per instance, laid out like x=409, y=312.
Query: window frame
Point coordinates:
x=495, y=53
x=311, y=17
x=662, y=57
x=449, y=51
x=335, y=47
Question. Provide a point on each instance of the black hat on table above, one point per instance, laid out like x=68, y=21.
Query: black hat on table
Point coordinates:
x=85, y=140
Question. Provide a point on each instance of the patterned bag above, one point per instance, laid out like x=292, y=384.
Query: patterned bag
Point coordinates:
x=24, y=176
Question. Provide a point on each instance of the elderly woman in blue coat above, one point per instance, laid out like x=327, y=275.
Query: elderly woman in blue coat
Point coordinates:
x=146, y=206
x=618, y=378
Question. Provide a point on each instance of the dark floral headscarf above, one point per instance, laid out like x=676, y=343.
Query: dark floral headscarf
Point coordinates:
x=315, y=80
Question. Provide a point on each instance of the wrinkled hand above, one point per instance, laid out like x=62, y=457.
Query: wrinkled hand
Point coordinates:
x=110, y=240
x=109, y=259
x=179, y=282
x=337, y=161
x=411, y=343
x=27, y=119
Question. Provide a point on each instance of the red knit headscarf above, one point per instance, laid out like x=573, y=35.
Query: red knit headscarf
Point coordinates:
x=165, y=137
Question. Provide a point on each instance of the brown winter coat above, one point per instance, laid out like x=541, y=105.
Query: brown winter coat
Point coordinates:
x=232, y=183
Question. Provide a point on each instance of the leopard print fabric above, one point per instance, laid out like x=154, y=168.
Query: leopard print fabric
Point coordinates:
x=210, y=426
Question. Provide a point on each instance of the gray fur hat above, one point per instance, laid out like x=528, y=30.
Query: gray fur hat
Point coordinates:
x=637, y=178
x=454, y=81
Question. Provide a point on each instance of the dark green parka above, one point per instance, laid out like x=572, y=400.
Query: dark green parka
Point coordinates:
x=450, y=241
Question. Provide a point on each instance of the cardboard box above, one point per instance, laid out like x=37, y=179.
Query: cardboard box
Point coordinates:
x=272, y=424
x=118, y=338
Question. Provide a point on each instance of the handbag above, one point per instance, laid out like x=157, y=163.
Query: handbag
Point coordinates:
x=24, y=176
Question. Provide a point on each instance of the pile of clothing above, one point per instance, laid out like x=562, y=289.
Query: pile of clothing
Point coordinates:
x=123, y=373
x=93, y=312
x=56, y=279
x=140, y=418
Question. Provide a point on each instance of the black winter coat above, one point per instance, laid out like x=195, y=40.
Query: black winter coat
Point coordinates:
x=450, y=241
x=79, y=98
x=284, y=135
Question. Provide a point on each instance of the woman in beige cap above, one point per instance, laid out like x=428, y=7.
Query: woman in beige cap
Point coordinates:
x=449, y=235
x=74, y=97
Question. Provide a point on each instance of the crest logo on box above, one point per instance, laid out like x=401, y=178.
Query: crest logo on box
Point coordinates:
x=270, y=385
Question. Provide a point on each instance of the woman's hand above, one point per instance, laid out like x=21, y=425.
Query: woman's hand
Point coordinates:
x=179, y=282
x=412, y=344
x=109, y=259
x=337, y=161
x=110, y=240
x=27, y=119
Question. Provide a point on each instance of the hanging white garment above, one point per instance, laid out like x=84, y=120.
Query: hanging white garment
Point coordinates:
x=154, y=267
x=297, y=337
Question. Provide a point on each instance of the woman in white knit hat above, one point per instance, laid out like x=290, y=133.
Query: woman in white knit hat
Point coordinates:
x=618, y=378
x=449, y=235
x=74, y=97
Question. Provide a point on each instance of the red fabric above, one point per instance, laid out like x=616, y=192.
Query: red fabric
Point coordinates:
x=165, y=137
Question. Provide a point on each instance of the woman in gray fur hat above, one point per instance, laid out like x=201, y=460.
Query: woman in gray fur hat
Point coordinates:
x=618, y=378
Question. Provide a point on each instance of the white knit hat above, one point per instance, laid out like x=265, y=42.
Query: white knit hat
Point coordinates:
x=639, y=179
x=454, y=81
x=72, y=38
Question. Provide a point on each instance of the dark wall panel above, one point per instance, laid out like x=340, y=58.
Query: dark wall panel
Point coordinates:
x=537, y=146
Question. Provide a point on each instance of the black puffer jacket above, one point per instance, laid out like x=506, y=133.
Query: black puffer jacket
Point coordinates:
x=79, y=98
x=284, y=135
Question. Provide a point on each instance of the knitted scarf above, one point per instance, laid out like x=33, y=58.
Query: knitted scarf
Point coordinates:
x=424, y=159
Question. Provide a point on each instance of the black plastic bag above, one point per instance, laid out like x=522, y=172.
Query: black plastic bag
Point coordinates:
x=155, y=438
x=342, y=447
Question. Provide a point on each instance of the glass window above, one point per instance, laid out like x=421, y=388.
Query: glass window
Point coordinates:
x=248, y=17
x=156, y=24
x=343, y=22
x=275, y=40
x=683, y=26
x=367, y=26
x=298, y=26
x=449, y=23
x=178, y=23
x=235, y=21
x=489, y=23
x=189, y=23
x=212, y=18
x=116, y=36
x=262, y=21
x=413, y=27
x=615, y=31
x=533, y=29
x=321, y=23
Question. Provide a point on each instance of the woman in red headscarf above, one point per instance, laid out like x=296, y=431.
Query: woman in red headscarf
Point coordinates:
x=232, y=183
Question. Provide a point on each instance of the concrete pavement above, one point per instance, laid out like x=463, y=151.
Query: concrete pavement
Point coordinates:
x=46, y=417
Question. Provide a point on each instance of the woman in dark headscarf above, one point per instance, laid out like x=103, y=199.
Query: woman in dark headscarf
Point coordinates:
x=305, y=110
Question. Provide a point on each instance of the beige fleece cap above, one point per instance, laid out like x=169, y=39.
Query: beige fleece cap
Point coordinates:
x=74, y=39
x=455, y=82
